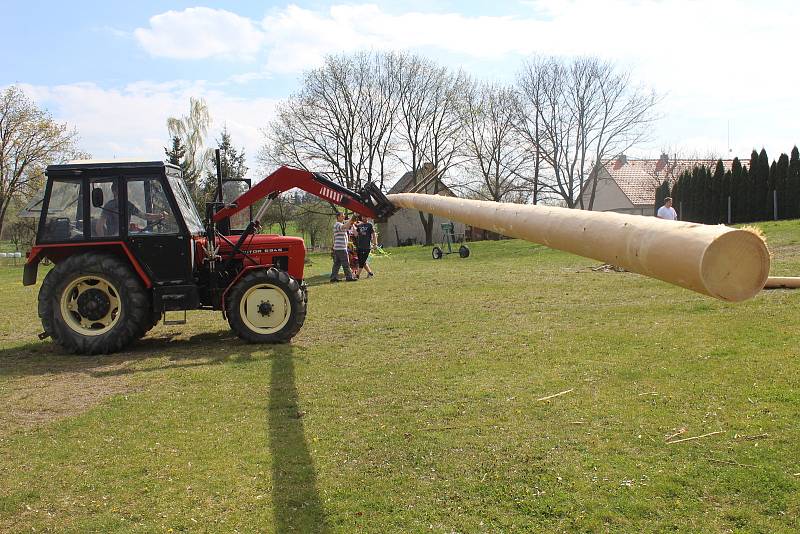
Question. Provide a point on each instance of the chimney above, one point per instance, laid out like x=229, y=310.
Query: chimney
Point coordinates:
x=662, y=162
x=620, y=161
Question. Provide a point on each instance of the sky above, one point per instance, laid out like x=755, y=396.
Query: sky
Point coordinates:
x=727, y=71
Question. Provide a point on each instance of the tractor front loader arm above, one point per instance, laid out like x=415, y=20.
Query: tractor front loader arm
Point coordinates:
x=370, y=201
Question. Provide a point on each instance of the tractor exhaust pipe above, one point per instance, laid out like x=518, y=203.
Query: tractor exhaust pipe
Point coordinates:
x=717, y=261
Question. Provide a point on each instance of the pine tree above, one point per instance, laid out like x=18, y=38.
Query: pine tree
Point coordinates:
x=763, y=192
x=662, y=192
x=793, y=185
x=779, y=182
x=701, y=195
x=753, y=202
x=686, y=195
x=747, y=186
x=738, y=192
x=232, y=165
x=677, y=196
x=698, y=194
x=714, y=203
x=726, y=198
x=769, y=198
x=176, y=154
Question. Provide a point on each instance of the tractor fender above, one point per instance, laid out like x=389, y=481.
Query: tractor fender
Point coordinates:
x=61, y=251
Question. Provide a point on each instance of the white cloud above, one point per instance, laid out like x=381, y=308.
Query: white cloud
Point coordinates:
x=199, y=33
x=716, y=61
x=131, y=122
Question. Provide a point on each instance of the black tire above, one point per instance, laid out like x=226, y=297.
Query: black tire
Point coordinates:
x=155, y=318
x=291, y=308
x=437, y=253
x=133, y=316
x=463, y=251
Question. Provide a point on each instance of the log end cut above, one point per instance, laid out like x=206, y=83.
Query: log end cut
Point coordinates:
x=735, y=266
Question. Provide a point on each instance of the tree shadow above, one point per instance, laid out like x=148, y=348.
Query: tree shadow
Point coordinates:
x=298, y=507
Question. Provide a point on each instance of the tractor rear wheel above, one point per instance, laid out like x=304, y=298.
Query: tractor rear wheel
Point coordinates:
x=155, y=318
x=94, y=304
x=267, y=306
x=463, y=251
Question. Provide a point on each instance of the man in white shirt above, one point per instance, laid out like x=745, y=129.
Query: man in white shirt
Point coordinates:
x=667, y=211
x=340, y=239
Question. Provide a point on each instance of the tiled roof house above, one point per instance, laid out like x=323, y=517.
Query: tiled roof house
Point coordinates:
x=629, y=185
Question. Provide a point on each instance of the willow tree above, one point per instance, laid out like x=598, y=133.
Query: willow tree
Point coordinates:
x=192, y=130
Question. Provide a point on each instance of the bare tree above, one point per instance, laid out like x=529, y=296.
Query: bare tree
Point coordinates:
x=582, y=111
x=315, y=219
x=531, y=83
x=496, y=150
x=341, y=121
x=29, y=140
x=192, y=129
x=428, y=124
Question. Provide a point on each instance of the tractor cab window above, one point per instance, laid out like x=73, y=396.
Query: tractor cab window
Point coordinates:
x=149, y=211
x=64, y=218
x=186, y=205
x=104, y=212
x=231, y=190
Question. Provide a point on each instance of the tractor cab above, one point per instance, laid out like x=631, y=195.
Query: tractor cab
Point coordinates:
x=142, y=207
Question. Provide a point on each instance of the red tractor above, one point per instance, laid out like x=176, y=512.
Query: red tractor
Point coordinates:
x=129, y=245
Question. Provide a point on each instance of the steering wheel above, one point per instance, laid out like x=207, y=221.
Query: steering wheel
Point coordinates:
x=160, y=224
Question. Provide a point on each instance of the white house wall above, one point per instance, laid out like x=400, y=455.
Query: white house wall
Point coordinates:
x=408, y=225
x=608, y=197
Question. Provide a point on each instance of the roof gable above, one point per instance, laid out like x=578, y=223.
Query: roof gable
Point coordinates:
x=406, y=182
x=639, y=178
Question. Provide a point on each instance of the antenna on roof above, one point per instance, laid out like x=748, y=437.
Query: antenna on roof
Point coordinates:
x=729, y=137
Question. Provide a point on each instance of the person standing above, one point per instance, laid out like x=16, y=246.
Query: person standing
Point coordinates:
x=667, y=211
x=340, y=238
x=365, y=241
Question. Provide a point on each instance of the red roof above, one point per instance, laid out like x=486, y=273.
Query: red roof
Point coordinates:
x=639, y=178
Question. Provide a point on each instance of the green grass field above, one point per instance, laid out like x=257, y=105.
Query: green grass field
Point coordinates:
x=410, y=403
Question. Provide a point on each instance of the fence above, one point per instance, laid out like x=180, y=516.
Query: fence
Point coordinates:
x=11, y=258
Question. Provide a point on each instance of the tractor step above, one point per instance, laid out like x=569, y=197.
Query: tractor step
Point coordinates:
x=169, y=322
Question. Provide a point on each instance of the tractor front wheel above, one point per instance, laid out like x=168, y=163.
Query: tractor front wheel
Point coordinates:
x=266, y=306
x=93, y=303
x=436, y=253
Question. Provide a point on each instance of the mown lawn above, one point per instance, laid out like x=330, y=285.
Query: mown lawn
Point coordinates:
x=409, y=403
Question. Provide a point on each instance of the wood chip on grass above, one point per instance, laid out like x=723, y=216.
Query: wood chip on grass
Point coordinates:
x=696, y=437
x=554, y=395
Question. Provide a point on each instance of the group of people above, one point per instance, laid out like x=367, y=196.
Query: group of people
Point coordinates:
x=353, y=240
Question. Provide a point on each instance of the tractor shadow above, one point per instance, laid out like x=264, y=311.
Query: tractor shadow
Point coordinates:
x=295, y=497
x=46, y=385
x=46, y=358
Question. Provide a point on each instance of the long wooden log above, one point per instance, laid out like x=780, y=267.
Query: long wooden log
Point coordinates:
x=782, y=282
x=718, y=261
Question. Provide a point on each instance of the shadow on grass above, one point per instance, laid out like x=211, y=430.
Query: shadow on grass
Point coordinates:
x=45, y=358
x=318, y=280
x=295, y=496
x=296, y=500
